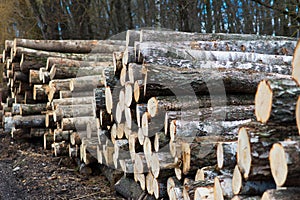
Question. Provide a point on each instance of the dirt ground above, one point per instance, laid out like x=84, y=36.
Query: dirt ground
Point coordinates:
x=27, y=171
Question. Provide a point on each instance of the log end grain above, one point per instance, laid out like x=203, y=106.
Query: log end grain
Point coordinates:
x=152, y=106
x=296, y=64
x=263, y=101
x=236, y=181
x=298, y=114
x=278, y=164
x=108, y=100
x=244, y=152
x=218, y=192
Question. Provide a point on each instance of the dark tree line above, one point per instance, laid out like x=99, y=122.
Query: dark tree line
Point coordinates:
x=100, y=19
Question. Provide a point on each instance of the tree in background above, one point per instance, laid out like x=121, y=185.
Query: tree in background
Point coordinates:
x=100, y=19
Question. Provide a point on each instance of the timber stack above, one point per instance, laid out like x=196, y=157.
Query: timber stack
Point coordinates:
x=166, y=115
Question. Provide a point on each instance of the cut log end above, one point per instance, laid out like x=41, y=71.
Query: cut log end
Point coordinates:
x=152, y=106
x=263, y=101
x=108, y=100
x=128, y=94
x=278, y=164
x=220, y=155
x=298, y=114
x=236, y=181
x=136, y=91
x=244, y=152
x=296, y=64
x=218, y=192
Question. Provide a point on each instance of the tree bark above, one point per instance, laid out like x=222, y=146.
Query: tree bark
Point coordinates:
x=69, y=111
x=69, y=46
x=161, y=79
x=86, y=83
x=32, y=109
x=32, y=121
x=281, y=194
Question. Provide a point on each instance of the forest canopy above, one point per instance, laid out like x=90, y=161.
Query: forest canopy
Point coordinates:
x=100, y=19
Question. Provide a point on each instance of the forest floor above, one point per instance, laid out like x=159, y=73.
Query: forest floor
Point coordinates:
x=27, y=171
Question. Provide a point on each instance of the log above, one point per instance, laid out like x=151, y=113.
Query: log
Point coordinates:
x=161, y=164
x=178, y=52
x=99, y=57
x=161, y=141
x=20, y=76
x=204, y=81
x=252, y=155
x=60, y=149
x=180, y=129
x=32, y=121
x=75, y=64
x=281, y=194
x=69, y=111
x=298, y=114
x=86, y=83
x=68, y=94
x=172, y=36
x=198, y=190
x=117, y=62
x=206, y=173
x=174, y=188
x=216, y=113
x=34, y=77
x=195, y=155
x=130, y=189
x=241, y=187
x=40, y=93
x=296, y=64
x=32, y=109
x=26, y=66
x=275, y=101
x=222, y=187
x=69, y=46
x=23, y=87
x=75, y=123
x=226, y=155
x=284, y=158
x=159, y=189
x=72, y=101
x=128, y=56
x=61, y=72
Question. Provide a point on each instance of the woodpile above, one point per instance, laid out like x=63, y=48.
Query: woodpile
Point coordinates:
x=166, y=115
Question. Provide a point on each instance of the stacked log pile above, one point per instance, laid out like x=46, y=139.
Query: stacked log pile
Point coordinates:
x=165, y=114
